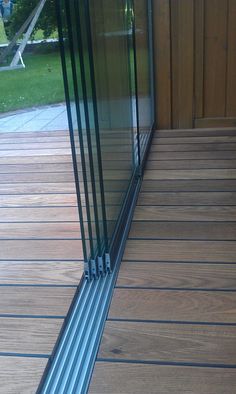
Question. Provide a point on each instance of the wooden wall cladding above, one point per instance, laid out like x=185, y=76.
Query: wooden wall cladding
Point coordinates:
x=195, y=63
x=162, y=58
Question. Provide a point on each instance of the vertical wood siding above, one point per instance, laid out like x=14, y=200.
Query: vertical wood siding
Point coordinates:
x=195, y=63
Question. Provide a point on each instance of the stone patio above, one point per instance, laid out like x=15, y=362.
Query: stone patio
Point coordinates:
x=48, y=118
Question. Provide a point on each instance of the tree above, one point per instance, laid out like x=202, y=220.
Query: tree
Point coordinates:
x=22, y=9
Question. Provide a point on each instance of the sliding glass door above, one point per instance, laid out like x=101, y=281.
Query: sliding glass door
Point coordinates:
x=106, y=57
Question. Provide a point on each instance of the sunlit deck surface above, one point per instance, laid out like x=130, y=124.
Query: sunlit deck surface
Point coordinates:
x=171, y=327
x=40, y=252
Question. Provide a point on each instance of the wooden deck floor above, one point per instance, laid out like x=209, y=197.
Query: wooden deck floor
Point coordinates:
x=40, y=252
x=171, y=328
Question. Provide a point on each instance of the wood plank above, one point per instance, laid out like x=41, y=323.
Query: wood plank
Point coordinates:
x=41, y=250
x=57, y=188
x=231, y=61
x=190, y=174
x=29, y=336
x=51, y=199
x=183, y=230
x=215, y=58
x=199, y=155
x=32, y=139
x=123, y=378
x=38, y=167
x=26, y=177
x=192, y=140
x=41, y=273
x=187, y=198
x=34, y=146
x=47, y=159
x=201, y=132
x=40, y=230
x=176, y=275
x=35, y=200
x=117, y=174
x=189, y=164
x=35, y=152
x=52, y=214
x=113, y=147
x=165, y=342
x=50, y=136
x=170, y=305
x=54, y=133
x=199, y=30
x=215, y=122
x=56, y=167
x=199, y=251
x=193, y=147
x=162, y=56
x=37, y=188
x=186, y=213
x=107, y=143
x=113, y=165
x=46, y=301
x=38, y=157
x=196, y=185
x=21, y=374
x=33, y=134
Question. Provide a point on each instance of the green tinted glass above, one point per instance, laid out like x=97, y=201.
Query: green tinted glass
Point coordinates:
x=107, y=71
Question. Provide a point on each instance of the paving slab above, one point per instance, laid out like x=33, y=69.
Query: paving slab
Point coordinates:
x=48, y=118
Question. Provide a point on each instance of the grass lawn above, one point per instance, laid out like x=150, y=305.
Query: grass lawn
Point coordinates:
x=41, y=82
x=38, y=84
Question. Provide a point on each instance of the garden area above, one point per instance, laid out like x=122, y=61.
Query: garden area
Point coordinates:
x=40, y=82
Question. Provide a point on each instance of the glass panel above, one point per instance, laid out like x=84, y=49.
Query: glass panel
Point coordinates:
x=97, y=180
x=81, y=102
x=72, y=81
x=111, y=45
x=104, y=75
x=144, y=68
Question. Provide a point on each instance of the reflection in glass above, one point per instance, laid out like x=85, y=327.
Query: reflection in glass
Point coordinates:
x=107, y=72
x=143, y=51
x=111, y=38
